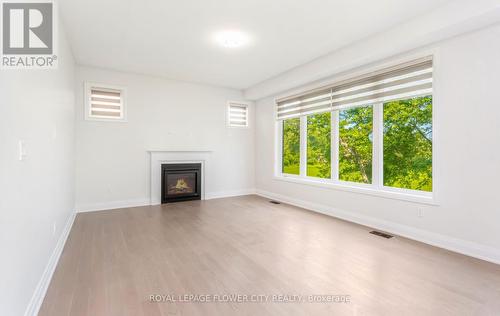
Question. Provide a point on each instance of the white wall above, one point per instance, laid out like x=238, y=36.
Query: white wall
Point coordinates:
x=113, y=166
x=467, y=145
x=36, y=106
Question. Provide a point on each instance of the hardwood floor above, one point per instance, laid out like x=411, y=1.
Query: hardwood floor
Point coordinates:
x=114, y=260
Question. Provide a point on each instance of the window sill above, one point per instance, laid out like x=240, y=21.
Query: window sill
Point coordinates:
x=96, y=119
x=389, y=193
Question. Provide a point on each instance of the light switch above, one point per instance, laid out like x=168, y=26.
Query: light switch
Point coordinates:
x=22, y=150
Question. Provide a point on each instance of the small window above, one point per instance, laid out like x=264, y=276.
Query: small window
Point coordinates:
x=237, y=114
x=104, y=102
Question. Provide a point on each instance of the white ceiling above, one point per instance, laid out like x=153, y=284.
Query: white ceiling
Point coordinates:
x=173, y=39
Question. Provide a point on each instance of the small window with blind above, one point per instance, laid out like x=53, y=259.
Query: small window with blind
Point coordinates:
x=104, y=102
x=237, y=114
x=373, y=131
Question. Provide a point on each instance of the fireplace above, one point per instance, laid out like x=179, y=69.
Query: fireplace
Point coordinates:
x=180, y=182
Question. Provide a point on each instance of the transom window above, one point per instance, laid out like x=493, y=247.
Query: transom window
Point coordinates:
x=104, y=102
x=237, y=114
x=373, y=132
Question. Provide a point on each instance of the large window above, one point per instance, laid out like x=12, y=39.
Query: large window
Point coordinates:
x=374, y=132
x=408, y=144
x=291, y=146
x=319, y=128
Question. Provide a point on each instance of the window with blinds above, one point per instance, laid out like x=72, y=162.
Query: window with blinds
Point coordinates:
x=372, y=131
x=404, y=81
x=104, y=102
x=237, y=114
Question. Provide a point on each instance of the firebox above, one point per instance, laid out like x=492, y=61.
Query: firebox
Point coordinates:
x=180, y=182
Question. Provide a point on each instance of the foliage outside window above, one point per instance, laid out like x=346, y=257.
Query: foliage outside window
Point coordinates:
x=291, y=146
x=405, y=129
x=376, y=135
x=355, y=144
x=319, y=145
x=408, y=144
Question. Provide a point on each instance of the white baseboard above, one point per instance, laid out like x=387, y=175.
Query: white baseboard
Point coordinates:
x=467, y=248
x=224, y=194
x=111, y=205
x=42, y=286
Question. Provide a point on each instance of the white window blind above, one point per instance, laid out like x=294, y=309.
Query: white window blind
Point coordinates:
x=105, y=102
x=237, y=115
x=400, y=82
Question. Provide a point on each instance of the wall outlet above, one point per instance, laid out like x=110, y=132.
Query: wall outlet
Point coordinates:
x=54, y=228
x=420, y=212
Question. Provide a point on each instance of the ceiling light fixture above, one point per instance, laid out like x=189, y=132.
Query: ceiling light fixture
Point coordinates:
x=232, y=39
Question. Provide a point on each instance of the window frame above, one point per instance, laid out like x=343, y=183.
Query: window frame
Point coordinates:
x=88, y=85
x=377, y=187
x=228, y=108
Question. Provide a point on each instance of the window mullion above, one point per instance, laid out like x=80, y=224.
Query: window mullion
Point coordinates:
x=335, y=145
x=378, y=155
x=279, y=148
x=303, y=146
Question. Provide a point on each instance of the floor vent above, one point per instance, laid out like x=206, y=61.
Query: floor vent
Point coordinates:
x=274, y=202
x=381, y=234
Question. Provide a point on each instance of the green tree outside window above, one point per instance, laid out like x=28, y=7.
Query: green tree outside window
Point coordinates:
x=319, y=145
x=355, y=144
x=291, y=146
x=408, y=144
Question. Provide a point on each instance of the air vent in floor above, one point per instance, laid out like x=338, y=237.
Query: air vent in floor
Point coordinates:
x=274, y=202
x=381, y=234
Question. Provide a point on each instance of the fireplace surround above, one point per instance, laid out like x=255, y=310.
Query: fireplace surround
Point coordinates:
x=160, y=156
x=180, y=182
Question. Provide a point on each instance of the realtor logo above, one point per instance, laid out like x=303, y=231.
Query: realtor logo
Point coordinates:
x=28, y=35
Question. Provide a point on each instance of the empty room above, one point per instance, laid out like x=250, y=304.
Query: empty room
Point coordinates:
x=249, y=157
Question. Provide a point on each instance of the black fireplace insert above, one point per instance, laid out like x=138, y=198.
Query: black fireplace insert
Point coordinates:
x=180, y=182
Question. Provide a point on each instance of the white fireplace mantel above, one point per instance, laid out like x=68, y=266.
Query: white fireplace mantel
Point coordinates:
x=159, y=157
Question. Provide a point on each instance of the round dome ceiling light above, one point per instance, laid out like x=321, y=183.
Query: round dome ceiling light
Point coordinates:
x=232, y=39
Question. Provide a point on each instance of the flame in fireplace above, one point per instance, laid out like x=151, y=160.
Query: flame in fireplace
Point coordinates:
x=181, y=185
